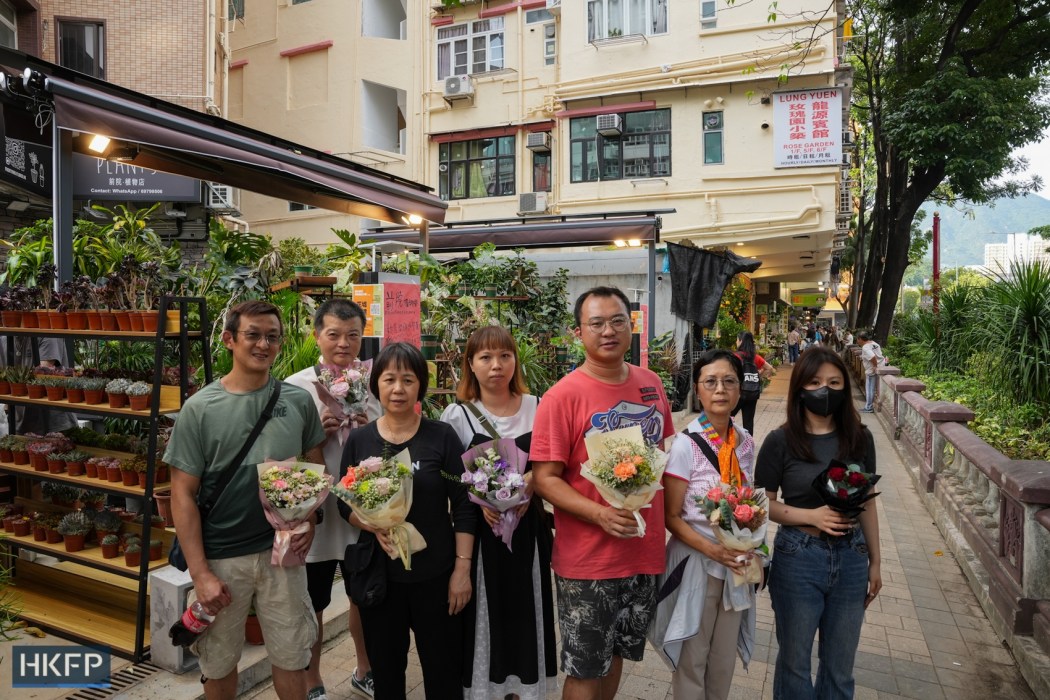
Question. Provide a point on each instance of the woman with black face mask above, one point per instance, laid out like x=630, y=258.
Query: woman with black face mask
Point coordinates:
x=826, y=566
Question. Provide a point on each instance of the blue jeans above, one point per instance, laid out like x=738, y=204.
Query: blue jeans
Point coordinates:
x=817, y=584
x=871, y=382
x=792, y=354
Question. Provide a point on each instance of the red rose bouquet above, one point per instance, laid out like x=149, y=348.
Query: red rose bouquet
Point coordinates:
x=846, y=487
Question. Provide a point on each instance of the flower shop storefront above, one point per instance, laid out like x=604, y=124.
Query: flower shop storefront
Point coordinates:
x=64, y=509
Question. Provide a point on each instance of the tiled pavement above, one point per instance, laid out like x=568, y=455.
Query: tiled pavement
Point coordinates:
x=924, y=637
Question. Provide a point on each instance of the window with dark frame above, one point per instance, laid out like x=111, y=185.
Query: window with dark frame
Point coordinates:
x=642, y=150
x=477, y=168
x=298, y=206
x=541, y=172
x=82, y=47
x=8, y=25
x=713, y=141
x=236, y=10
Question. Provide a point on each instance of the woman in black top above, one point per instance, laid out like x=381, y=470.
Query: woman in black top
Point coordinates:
x=429, y=598
x=826, y=569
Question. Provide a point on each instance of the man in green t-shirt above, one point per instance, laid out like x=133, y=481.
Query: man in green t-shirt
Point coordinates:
x=229, y=554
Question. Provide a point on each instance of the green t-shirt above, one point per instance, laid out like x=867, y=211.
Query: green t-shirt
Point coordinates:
x=209, y=432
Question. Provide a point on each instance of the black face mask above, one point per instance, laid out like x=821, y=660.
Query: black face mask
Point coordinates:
x=823, y=401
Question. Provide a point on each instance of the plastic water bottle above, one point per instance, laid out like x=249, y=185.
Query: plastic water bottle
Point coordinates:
x=191, y=625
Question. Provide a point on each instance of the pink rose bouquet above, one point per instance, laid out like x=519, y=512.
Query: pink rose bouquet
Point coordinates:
x=290, y=491
x=344, y=390
x=739, y=517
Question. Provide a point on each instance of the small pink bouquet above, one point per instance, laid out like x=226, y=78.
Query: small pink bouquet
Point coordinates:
x=739, y=517
x=344, y=390
x=290, y=491
x=495, y=478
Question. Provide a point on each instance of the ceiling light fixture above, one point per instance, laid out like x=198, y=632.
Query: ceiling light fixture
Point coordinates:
x=99, y=143
x=634, y=243
x=620, y=243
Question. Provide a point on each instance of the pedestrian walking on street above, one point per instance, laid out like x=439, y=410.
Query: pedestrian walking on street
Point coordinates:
x=511, y=648
x=755, y=370
x=871, y=358
x=826, y=570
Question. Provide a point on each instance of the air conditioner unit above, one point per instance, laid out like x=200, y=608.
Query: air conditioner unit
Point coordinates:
x=837, y=244
x=458, y=87
x=220, y=197
x=609, y=124
x=532, y=202
x=554, y=7
x=539, y=141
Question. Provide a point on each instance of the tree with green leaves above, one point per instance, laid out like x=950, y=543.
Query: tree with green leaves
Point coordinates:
x=946, y=92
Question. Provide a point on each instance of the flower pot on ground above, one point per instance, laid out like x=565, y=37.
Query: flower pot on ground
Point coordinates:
x=253, y=631
x=132, y=555
x=110, y=545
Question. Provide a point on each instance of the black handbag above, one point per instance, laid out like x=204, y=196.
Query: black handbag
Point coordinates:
x=175, y=555
x=365, y=565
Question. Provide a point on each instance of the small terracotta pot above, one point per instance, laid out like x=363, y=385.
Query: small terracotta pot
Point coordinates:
x=123, y=320
x=136, y=321
x=21, y=457
x=162, y=474
x=113, y=473
x=163, y=499
x=94, y=320
x=6, y=455
x=110, y=551
x=139, y=403
x=56, y=466
x=19, y=389
x=129, y=478
x=11, y=319
x=91, y=470
x=74, y=543
x=117, y=400
x=93, y=397
x=38, y=461
x=39, y=533
x=53, y=536
x=59, y=320
x=77, y=320
x=36, y=391
x=5, y=386
x=75, y=395
x=30, y=320
x=55, y=393
x=108, y=319
x=142, y=479
x=9, y=523
x=43, y=318
x=150, y=321
x=155, y=553
x=132, y=558
x=22, y=528
x=75, y=468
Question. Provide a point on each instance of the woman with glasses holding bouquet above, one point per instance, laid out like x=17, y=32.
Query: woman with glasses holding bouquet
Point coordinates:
x=826, y=565
x=701, y=623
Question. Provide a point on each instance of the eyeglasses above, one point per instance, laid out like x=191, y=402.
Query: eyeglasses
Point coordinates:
x=729, y=383
x=617, y=323
x=254, y=337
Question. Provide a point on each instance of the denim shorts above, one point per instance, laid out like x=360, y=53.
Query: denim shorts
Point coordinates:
x=603, y=618
x=817, y=583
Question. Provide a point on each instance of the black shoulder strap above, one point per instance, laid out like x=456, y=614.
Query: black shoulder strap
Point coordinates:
x=227, y=476
x=485, y=422
x=704, y=447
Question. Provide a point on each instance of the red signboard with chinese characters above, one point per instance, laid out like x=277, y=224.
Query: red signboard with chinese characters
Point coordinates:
x=807, y=128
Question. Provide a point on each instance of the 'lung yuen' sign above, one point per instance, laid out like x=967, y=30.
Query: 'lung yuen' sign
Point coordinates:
x=807, y=128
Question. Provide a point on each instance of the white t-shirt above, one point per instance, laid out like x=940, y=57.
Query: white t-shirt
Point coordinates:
x=871, y=350
x=334, y=533
x=466, y=425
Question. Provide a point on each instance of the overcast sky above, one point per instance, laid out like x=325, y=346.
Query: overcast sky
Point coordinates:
x=1038, y=155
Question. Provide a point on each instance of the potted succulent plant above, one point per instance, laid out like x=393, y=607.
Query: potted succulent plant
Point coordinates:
x=22, y=526
x=92, y=501
x=74, y=528
x=14, y=302
x=5, y=384
x=38, y=452
x=37, y=387
x=75, y=389
x=92, y=464
x=108, y=523
x=20, y=454
x=114, y=470
x=53, y=535
x=19, y=378
x=138, y=394
x=128, y=471
x=39, y=521
x=110, y=545
x=116, y=390
x=94, y=389
x=6, y=443
x=75, y=460
x=156, y=549
x=132, y=554
x=73, y=294
x=56, y=462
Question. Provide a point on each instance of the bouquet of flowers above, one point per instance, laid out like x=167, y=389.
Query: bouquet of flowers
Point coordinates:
x=494, y=476
x=379, y=491
x=739, y=517
x=290, y=491
x=625, y=470
x=344, y=391
x=846, y=487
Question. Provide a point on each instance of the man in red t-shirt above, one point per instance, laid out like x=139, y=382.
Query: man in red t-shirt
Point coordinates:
x=606, y=574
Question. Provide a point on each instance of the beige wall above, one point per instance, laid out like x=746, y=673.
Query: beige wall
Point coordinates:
x=159, y=48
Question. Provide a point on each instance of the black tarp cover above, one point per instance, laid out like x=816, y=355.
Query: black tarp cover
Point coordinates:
x=698, y=278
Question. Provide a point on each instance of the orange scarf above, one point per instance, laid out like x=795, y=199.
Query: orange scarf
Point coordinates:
x=728, y=464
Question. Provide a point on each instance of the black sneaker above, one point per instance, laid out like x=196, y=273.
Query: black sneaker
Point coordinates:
x=364, y=686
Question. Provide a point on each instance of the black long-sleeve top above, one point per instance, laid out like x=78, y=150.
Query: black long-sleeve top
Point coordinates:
x=440, y=506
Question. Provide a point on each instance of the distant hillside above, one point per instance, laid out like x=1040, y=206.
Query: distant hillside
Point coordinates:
x=965, y=232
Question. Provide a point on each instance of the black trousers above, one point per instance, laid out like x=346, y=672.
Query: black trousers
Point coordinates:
x=421, y=607
x=748, y=409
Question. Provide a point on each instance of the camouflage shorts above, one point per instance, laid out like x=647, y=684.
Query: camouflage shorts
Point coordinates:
x=603, y=618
